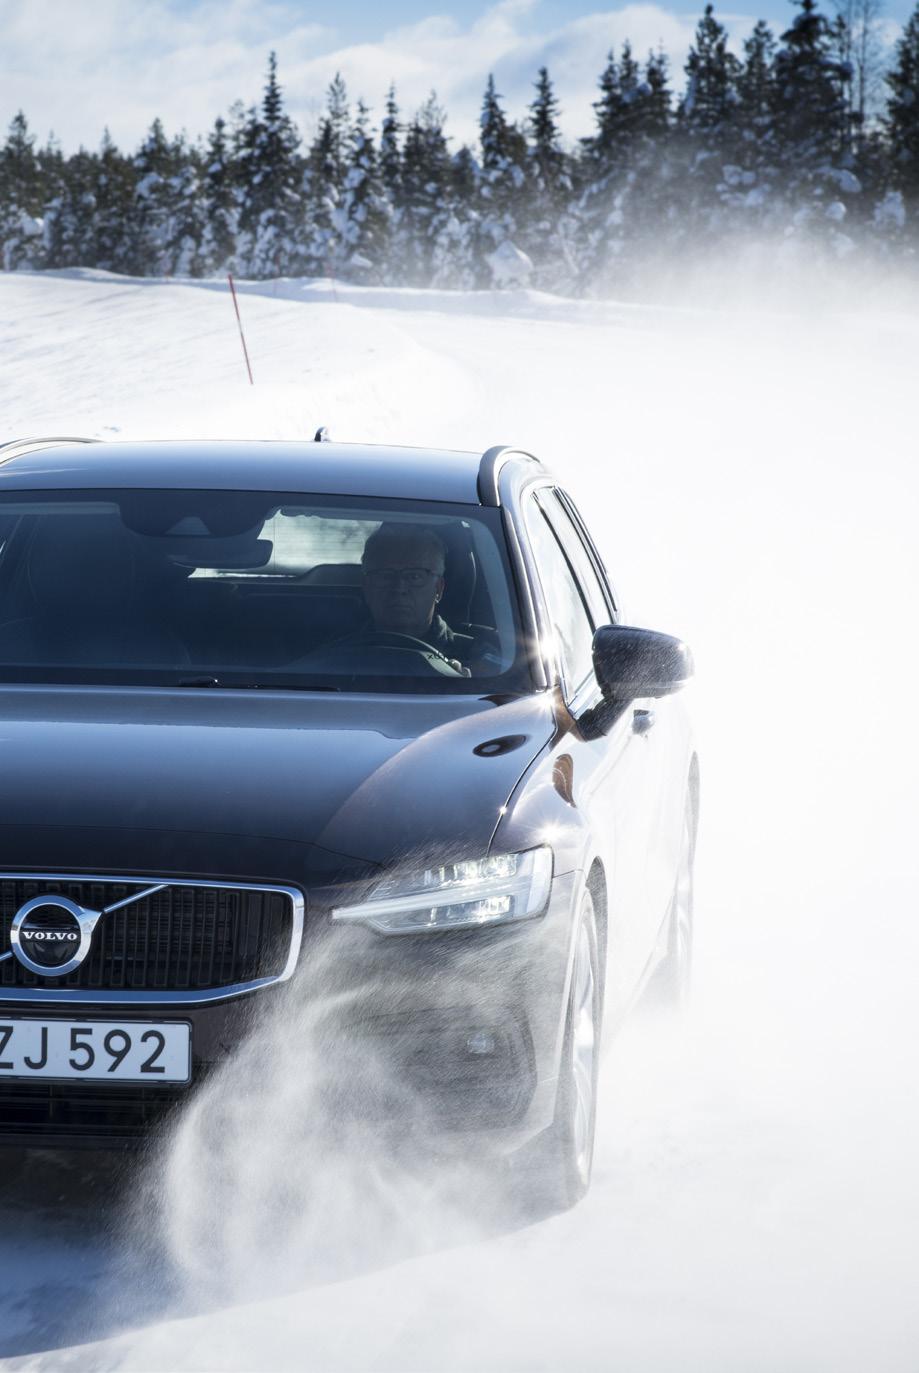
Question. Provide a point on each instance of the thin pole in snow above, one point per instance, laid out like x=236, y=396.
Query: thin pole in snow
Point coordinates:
x=242, y=337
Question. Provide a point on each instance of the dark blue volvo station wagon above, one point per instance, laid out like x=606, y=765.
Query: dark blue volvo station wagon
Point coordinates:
x=269, y=710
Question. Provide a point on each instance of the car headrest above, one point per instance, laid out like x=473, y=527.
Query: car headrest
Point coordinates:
x=459, y=574
x=333, y=574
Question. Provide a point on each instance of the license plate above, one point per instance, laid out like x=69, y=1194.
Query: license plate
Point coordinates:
x=95, y=1050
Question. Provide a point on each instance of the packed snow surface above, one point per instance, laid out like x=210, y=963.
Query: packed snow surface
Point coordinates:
x=752, y=480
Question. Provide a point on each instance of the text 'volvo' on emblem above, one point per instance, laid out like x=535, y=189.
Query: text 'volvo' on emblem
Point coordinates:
x=51, y=935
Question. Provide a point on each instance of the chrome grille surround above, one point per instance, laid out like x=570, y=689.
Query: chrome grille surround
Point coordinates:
x=128, y=997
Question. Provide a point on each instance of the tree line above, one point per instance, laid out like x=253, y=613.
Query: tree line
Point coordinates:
x=774, y=149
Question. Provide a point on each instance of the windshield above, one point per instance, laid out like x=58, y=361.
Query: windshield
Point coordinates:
x=248, y=589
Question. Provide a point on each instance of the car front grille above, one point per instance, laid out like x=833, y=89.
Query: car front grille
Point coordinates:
x=185, y=937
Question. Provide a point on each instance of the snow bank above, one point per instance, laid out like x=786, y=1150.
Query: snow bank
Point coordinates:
x=154, y=359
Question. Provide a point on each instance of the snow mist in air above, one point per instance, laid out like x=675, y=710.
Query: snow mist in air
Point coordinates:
x=310, y=1156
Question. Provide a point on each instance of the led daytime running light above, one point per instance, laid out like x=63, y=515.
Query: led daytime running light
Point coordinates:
x=485, y=891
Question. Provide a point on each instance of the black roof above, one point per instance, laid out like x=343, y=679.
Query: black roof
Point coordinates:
x=257, y=465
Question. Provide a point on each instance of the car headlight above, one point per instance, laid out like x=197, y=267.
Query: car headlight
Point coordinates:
x=455, y=896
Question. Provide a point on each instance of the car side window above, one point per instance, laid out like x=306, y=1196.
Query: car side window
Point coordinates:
x=567, y=609
x=569, y=536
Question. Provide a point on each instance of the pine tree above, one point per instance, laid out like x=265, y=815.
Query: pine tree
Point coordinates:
x=70, y=215
x=187, y=218
x=20, y=200
x=503, y=176
x=655, y=107
x=626, y=172
x=324, y=181
x=752, y=181
x=464, y=176
x=337, y=122
x=711, y=97
x=19, y=167
x=320, y=196
x=546, y=157
x=546, y=232
x=150, y=219
x=364, y=216
x=812, y=133
x=426, y=196
x=630, y=109
x=902, y=118
x=755, y=83
x=602, y=148
x=707, y=119
x=652, y=210
x=271, y=205
x=456, y=261
x=50, y=168
x=114, y=196
x=604, y=165
x=810, y=119
x=221, y=206
x=632, y=89
x=390, y=153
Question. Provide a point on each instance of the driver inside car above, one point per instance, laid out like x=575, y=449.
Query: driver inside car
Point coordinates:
x=403, y=582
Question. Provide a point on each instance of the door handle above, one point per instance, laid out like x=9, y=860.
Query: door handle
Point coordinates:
x=642, y=721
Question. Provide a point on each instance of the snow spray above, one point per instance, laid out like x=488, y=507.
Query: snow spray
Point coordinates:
x=309, y=1157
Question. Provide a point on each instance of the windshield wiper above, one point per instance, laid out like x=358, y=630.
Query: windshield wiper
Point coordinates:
x=203, y=683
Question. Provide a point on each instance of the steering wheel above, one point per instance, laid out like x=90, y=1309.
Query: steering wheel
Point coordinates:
x=390, y=638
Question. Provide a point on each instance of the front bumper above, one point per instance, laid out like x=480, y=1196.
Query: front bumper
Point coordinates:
x=99, y=1114
x=460, y=1032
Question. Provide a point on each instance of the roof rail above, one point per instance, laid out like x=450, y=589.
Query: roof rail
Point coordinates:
x=14, y=448
x=490, y=467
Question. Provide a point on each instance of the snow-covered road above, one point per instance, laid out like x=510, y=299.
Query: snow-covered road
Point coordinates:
x=752, y=479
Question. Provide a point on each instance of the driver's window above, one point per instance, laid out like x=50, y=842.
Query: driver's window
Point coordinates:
x=570, y=620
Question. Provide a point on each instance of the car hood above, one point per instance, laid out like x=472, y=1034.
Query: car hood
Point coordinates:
x=368, y=778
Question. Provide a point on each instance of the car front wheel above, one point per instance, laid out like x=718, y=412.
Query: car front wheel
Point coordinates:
x=668, y=989
x=563, y=1155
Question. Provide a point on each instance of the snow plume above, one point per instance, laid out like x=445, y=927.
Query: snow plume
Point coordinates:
x=315, y=1154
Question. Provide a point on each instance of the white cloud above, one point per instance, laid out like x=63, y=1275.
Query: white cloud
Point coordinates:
x=77, y=66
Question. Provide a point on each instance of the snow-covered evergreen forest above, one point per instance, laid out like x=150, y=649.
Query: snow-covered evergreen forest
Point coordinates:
x=770, y=154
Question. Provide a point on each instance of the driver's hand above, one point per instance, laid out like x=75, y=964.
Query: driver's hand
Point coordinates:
x=458, y=667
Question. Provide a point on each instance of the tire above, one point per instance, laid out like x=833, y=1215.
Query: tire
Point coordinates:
x=561, y=1159
x=670, y=984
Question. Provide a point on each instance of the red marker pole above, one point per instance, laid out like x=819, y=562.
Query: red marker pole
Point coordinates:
x=242, y=337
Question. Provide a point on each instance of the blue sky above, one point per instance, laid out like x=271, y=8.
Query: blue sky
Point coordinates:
x=78, y=66
x=360, y=20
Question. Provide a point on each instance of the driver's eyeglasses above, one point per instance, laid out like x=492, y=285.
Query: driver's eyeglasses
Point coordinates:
x=390, y=577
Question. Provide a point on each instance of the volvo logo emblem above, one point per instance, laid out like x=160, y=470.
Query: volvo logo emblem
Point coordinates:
x=52, y=935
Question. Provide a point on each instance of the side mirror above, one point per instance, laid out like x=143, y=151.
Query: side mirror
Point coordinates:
x=639, y=662
x=631, y=663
